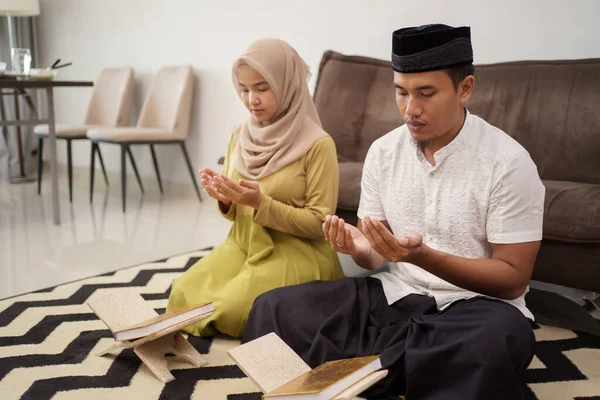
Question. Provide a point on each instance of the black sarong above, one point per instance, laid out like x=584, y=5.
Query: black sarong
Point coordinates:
x=474, y=349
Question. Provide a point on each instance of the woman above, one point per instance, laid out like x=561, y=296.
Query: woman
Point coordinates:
x=279, y=181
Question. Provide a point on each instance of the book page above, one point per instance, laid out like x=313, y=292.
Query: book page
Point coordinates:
x=269, y=362
x=167, y=331
x=121, y=308
x=191, y=311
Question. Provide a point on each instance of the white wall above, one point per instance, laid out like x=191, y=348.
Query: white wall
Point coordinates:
x=147, y=34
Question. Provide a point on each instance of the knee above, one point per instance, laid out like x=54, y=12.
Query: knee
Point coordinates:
x=505, y=334
x=273, y=309
x=234, y=304
x=261, y=319
x=289, y=298
x=269, y=299
x=509, y=325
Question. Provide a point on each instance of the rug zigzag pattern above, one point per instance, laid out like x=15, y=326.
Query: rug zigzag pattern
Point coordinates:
x=142, y=279
x=48, y=341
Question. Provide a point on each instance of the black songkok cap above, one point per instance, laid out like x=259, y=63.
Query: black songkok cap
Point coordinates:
x=430, y=47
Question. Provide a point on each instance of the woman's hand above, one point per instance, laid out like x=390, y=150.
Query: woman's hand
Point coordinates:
x=242, y=192
x=207, y=177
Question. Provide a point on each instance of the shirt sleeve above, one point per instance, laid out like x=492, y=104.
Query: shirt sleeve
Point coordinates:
x=228, y=212
x=322, y=185
x=516, y=210
x=371, y=204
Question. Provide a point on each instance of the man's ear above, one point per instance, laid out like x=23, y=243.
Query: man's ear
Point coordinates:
x=465, y=88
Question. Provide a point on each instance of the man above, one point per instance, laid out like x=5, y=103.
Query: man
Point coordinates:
x=455, y=206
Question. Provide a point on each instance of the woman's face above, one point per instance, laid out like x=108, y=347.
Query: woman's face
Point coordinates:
x=257, y=95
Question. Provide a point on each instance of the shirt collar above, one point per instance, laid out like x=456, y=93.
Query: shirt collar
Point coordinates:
x=456, y=144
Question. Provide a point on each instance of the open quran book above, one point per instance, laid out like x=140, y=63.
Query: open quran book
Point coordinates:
x=135, y=324
x=282, y=375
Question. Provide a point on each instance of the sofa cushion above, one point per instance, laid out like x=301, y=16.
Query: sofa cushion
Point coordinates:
x=356, y=102
x=550, y=108
x=349, y=194
x=572, y=212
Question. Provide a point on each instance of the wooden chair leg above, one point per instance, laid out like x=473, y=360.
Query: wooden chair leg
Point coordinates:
x=190, y=168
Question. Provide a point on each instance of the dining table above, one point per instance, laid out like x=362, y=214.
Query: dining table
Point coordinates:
x=12, y=85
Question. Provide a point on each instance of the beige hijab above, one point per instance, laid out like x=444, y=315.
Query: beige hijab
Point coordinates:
x=265, y=149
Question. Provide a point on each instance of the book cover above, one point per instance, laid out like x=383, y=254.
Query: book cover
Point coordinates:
x=166, y=331
x=163, y=321
x=362, y=385
x=341, y=373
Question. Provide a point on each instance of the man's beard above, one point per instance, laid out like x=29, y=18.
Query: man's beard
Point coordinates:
x=423, y=143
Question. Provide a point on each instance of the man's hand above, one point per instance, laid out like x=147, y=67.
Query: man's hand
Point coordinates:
x=207, y=176
x=393, y=249
x=345, y=238
x=242, y=192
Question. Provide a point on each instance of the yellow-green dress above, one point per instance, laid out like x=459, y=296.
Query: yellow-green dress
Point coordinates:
x=280, y=244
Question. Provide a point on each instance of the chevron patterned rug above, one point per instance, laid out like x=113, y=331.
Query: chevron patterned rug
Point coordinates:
x=49, y=338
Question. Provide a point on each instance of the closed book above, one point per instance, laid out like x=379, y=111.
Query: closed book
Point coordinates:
x=327, y=380
x=164, y=321
x=362, y=385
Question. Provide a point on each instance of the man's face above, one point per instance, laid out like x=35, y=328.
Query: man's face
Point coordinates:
x=430, y=104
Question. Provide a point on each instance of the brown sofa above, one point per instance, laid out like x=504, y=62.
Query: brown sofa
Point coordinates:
x=551, y=107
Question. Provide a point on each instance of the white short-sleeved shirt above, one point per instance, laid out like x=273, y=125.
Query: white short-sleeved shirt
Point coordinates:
x=483, y=189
